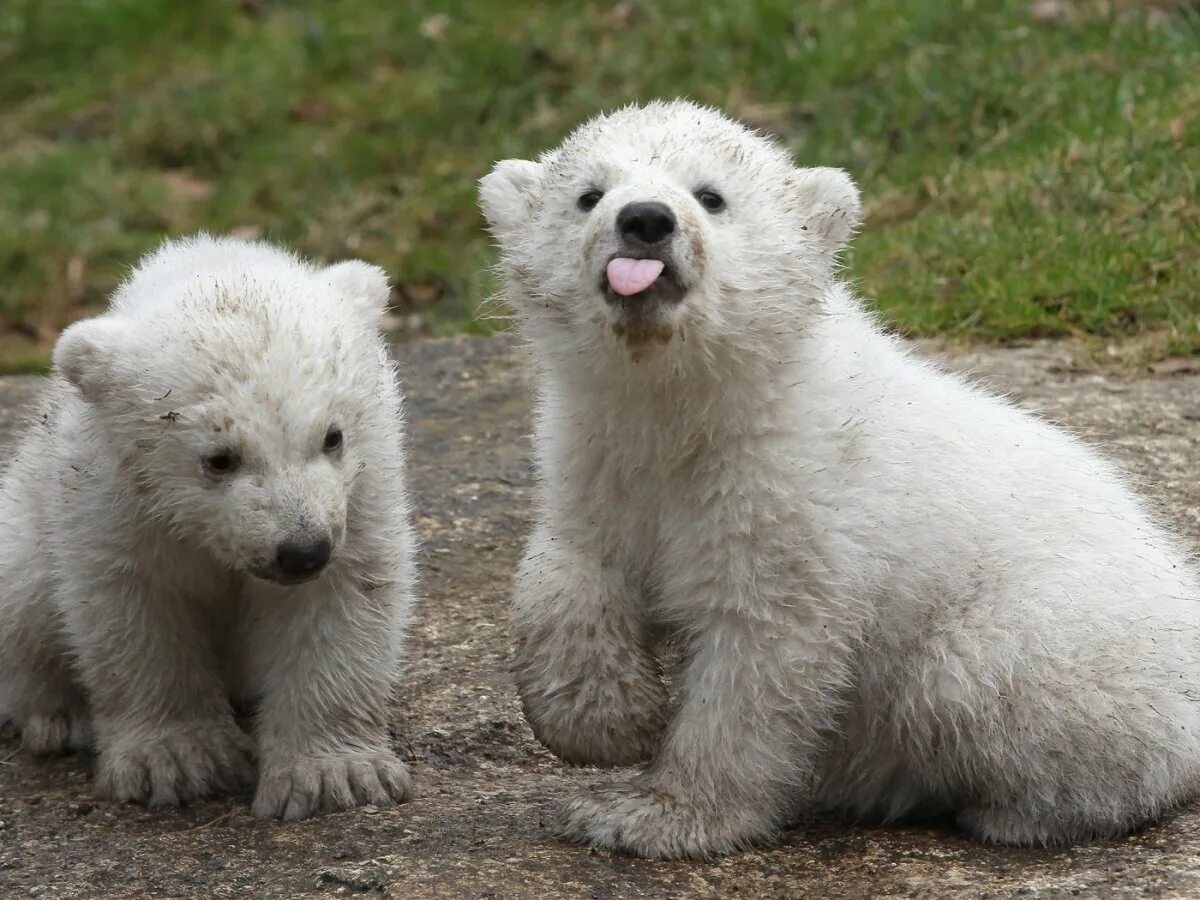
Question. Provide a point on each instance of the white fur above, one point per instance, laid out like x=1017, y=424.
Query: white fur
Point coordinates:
x=896, y=593
x=136, y=591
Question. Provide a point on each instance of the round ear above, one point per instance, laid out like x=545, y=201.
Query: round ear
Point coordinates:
x=363, y=285
x=830, y=204
x=507, y=193
x=86, y=353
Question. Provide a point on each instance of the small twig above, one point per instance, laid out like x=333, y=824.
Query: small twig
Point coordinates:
x=5, y=761
x=217, y=820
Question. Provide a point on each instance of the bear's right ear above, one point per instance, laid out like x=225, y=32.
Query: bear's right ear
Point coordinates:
x=362, y=284
x=86, y=353
x=507, y=194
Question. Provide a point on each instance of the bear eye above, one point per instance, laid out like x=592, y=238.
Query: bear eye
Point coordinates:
x=333, y=439
x=222, y=463
x=710, y=200
x=588, y=200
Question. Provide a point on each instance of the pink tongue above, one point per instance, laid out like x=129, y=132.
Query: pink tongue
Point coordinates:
x=632, y=276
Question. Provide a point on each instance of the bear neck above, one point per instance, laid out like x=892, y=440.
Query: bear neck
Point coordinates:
x=723, y=382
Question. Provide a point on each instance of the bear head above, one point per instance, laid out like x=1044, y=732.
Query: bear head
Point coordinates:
x=240, y=391
x=667, y=219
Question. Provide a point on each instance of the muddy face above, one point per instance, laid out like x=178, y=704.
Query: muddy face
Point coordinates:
x=262, y=481
x=645, y=252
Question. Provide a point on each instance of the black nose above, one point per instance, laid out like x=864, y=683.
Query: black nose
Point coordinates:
x=649, y=222
x=304, y=555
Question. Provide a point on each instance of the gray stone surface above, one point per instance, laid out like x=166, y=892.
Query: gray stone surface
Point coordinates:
x=477, y=828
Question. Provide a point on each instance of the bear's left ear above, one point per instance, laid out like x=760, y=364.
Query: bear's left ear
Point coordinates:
x=506, y=194
x=363, y=285
x=830, y=204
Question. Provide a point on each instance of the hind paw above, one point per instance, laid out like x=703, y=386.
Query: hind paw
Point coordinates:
x=58, y=731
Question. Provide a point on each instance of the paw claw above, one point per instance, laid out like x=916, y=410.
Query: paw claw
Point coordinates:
x=311, y=786
x=177, y=766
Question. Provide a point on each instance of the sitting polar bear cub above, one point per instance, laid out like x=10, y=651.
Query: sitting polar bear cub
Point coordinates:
x=212, y=505
x=897, y=593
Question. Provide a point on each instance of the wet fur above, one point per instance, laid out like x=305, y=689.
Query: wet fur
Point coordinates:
x=897, y=592
x=129, y=617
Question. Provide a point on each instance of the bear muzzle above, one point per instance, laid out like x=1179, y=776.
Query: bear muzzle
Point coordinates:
x=300, y=558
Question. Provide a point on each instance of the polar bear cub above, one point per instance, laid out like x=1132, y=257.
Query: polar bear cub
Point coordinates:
x=896, y=593
x=211, y=508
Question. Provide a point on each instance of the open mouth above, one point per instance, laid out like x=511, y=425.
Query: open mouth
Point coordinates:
x=630, y=281
x=643, y=294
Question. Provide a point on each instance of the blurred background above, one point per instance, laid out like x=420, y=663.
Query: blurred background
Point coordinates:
x=1030, y=169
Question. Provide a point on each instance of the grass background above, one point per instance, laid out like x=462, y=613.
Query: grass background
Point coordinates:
x=1030, y=169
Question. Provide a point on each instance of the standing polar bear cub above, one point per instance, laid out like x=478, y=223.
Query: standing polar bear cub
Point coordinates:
x=897, y=593
x=211, y=507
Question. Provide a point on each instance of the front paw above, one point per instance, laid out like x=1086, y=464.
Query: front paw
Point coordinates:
x=175, y=764
x=312, y=785
x=646, y=821
x=597, y=720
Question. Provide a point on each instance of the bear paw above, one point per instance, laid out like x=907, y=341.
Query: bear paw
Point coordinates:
x=645, y=821
x=313, y=785
x=57, y=732
x=604, y=719
x=1031, y=827
x=176, y=766
x=599, y=736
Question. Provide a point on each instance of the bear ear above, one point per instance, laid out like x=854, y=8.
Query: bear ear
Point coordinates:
x=506, y=194
x=363, y=285
x=831, y=205
x=86, y=354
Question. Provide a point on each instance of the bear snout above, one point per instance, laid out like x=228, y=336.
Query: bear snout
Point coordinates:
x=303, y=556
x=646, y=222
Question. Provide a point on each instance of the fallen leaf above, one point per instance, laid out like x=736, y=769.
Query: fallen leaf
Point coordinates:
x=434, y=28
x=895, y=205
x=187, y=186
x=1049, y=11
x=623, y=14
x=308, y=110
x=25, y=329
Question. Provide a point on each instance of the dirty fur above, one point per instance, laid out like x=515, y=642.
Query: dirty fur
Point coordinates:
x=898, y=593
x=137, y=596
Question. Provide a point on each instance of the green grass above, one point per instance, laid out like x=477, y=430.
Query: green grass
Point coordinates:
x=1023, y=177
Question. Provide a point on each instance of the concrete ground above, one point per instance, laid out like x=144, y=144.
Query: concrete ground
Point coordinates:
x=477, y=828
